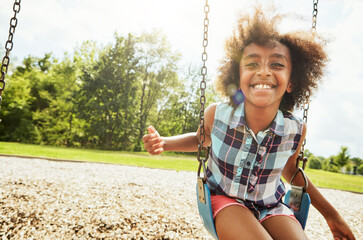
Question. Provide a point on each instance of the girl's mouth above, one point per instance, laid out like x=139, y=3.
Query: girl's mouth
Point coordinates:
x=263, y=86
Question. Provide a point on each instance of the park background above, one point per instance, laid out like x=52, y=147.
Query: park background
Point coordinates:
x=87, y=77
x=95, y=75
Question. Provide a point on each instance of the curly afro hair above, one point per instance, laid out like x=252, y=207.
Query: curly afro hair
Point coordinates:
x=308, y=58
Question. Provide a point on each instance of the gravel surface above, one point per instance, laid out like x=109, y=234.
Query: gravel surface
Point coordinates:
x=42, y=199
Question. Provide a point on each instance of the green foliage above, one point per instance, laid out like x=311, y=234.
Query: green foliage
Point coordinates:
x=180, y=111
x=16, y=109
x=340, y=163
x=120, y=90
x=314, y=162
x=157, y=77
x=308, y=154
x=38, y=105
x=329, y=165
x=342, y=158
x=360, y=169
x=356, y=161
x=56, y=119
x=348, y=168
x=106, y=98
x=102, y=97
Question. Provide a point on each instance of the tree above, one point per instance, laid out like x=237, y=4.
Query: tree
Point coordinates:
x=308, y=154
x=356, y=163
x=330, y=165
x=16, y=114
x=23, y=98
x=179, y=112
x=314, y=162
x=55, y=119
x=360, y=169
x=342, y=158
x=107, y=96
x=157, y=75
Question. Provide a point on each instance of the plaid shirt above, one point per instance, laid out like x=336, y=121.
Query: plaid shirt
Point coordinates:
x=246, y=166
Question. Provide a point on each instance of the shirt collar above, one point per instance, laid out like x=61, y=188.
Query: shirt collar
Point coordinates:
x=238, y=119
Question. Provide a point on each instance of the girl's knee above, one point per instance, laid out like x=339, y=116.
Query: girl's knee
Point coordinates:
x=237, y=222
x=284, y=228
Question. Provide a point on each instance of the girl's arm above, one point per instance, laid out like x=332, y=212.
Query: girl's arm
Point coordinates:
x=337, y=225
x=155, y=144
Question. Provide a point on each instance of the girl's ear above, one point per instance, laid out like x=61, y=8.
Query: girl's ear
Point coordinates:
x=289, y=87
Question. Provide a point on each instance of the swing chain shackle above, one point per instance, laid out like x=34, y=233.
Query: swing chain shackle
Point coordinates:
x=306, y=183
x=202, y=158
x=9, y=46
x=202, y=161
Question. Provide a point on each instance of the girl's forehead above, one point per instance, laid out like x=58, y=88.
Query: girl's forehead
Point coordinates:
x=269, y=49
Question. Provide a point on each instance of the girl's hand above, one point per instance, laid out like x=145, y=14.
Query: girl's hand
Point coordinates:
x=153, y=143
x=340, y=229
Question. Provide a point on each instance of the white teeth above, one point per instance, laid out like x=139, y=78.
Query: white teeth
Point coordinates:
x=262, y=86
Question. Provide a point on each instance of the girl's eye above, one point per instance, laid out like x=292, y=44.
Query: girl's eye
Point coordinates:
x=253, y=64
x=277, y=65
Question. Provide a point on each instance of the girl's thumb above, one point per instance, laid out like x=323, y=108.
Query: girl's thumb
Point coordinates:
x=151, y=129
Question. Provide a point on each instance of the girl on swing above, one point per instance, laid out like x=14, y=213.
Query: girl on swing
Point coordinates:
x=253, y=137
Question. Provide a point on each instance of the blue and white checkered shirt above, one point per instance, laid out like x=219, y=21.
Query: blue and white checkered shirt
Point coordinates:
x=246, y=166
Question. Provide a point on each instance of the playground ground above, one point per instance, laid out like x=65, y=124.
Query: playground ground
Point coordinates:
x=42, y=199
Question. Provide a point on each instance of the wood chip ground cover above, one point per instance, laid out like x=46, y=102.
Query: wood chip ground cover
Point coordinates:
x=42, y=199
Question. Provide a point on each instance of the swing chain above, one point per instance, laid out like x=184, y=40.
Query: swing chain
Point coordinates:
x=305, y=120
x=306, y=105
x=203, y=85
x=9, y=46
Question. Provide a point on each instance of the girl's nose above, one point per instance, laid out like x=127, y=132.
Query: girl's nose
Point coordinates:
x=264, y=71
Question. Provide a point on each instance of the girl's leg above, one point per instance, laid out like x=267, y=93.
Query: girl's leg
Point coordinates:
x=284, y=228
x=236, y=222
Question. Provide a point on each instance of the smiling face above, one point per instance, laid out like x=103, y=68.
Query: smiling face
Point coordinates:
x=265, y=75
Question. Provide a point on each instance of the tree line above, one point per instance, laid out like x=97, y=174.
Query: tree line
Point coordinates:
x=101, y=96
x=342, y=162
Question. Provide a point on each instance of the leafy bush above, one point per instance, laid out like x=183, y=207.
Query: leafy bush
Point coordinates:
x=360, y=169
x=314, y=162
x=348, y=168
x=330, y=165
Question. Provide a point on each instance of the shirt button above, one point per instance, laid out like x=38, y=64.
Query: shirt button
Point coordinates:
x=248, y=163
x=239, y=171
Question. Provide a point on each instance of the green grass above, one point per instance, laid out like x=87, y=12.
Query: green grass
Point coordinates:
x=165, y=161
x=340, y=181
x=142, y=159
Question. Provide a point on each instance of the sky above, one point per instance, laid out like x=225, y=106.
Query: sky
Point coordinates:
x=335, y=114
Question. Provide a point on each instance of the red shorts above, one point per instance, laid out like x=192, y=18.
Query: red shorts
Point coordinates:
x=219, y=202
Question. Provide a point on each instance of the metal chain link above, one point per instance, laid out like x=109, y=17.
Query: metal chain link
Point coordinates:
x=315, y=15
x=301, y=156
x=203, y=86
x=9, y=46
x=306, y=105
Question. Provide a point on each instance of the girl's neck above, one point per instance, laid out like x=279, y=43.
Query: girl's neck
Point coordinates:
x=259, y=119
